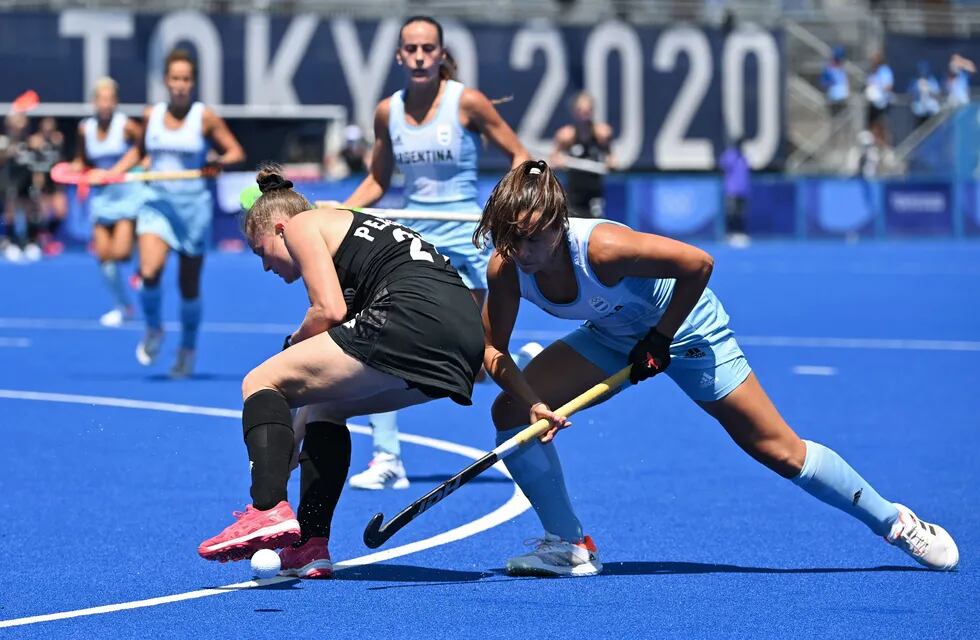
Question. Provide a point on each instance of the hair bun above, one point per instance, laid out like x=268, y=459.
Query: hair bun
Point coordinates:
x=272, y=181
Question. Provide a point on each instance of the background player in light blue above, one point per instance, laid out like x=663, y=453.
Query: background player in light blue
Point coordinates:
x=178, y=135
x=645, y=303
x=431, y=131
x=103, y=141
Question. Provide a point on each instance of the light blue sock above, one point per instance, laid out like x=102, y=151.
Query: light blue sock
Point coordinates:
x=384, y=430
x=537, y=471
x=152, y=299
x=114, y=282
x=827, y=477
x=190, y=320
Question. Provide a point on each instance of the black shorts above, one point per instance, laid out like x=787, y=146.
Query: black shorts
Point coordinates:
x=875, y=114
x=426, y=331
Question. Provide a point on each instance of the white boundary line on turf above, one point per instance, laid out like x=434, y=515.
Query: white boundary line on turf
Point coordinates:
x=515, y=505
x=900, y=344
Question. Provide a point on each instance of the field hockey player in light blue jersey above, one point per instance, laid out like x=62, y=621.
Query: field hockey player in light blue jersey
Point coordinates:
x=178, y=136
x=431, y=131
x=645, y=304
x=103, y=141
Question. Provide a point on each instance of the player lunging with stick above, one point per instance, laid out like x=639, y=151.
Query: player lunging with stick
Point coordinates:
x=390, y=325
x=644, y=301
x=431, y=131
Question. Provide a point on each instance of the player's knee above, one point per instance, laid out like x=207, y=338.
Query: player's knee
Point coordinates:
x=256, y=380
x=505, y=413
x=784, y=456
x=151, y=277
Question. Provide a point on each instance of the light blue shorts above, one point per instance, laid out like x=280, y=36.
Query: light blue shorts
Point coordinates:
x=694, y=368
x=454, y=240
x=183, y=221
x=109, y=204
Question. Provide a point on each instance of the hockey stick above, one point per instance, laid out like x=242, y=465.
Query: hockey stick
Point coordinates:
x=65, y=173
x=408, y=214
x=376, y=534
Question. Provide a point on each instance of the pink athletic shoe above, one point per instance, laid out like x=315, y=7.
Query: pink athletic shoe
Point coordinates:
x=253, y=530
x=309, y=560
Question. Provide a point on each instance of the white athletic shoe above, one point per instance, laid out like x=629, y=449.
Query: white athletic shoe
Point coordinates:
x=13, y=253
x=116, y=317
x=527, y=353
x=32, y=252
x=149, y=347
x=385, y=471
x=929, y=544
x=184, y=366
x=553, y=556
x=738, y=240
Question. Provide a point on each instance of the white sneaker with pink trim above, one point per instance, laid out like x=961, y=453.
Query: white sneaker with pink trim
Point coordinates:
x=928, y=544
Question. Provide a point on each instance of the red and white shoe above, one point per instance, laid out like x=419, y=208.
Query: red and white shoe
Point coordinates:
x=929, y=544
x=309, y=560
x=553, y=556
x=251, y=531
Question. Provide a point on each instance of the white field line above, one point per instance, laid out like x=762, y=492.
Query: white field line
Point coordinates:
x=520, y=334
x=515, y=505
x=814, y=370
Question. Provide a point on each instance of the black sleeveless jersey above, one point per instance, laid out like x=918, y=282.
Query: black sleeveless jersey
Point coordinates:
x=586, y=146
x=377, y=252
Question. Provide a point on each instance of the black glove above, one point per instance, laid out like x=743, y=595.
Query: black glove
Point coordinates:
x=288, y=342
x=650, y=356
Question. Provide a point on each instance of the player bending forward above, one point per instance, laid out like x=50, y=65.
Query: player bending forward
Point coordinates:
x=645, y=302
x=390, y=325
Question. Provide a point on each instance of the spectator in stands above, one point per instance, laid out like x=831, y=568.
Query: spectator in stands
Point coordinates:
x=20, y=198
x=924, y=93
x=356, y=152
x=583, y=149
x=958, y=81
x=735, y=168
x=836, y=85
x=353, y=158
x=866, y=157
x=878, y=91
x=47, y=149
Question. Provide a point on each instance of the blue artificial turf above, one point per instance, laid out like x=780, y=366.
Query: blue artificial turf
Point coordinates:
x=103, y=505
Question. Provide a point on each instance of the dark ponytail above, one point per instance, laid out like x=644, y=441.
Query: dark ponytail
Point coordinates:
x=527, y=188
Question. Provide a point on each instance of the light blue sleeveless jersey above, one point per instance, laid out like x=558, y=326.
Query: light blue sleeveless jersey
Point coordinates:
x=181, y=210
x=620, y=315
x=177, y=149
x=110, y=203
x=439, y=161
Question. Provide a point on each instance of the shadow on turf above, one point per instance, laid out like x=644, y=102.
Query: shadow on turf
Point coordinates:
x=668, y=568
x=411, y=576
x=163, y=377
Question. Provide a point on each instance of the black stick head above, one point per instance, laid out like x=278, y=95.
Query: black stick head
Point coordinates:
x=372, y=532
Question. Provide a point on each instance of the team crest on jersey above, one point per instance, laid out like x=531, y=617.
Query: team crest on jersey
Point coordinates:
x=600, y=304
x=444, y=134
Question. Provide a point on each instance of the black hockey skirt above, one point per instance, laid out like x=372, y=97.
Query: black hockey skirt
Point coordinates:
x=426, y=331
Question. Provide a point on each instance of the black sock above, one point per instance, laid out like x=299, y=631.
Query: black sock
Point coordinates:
x=268, y=427
x=54, y=224
x=323, y=464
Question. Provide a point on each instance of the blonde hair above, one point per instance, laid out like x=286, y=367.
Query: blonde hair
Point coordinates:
x=105, y=82
x=278, y=199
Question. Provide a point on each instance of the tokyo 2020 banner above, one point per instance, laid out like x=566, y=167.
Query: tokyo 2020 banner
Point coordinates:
x=673, y=94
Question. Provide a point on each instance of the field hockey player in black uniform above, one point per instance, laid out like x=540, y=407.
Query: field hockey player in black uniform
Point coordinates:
x=390, y=325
